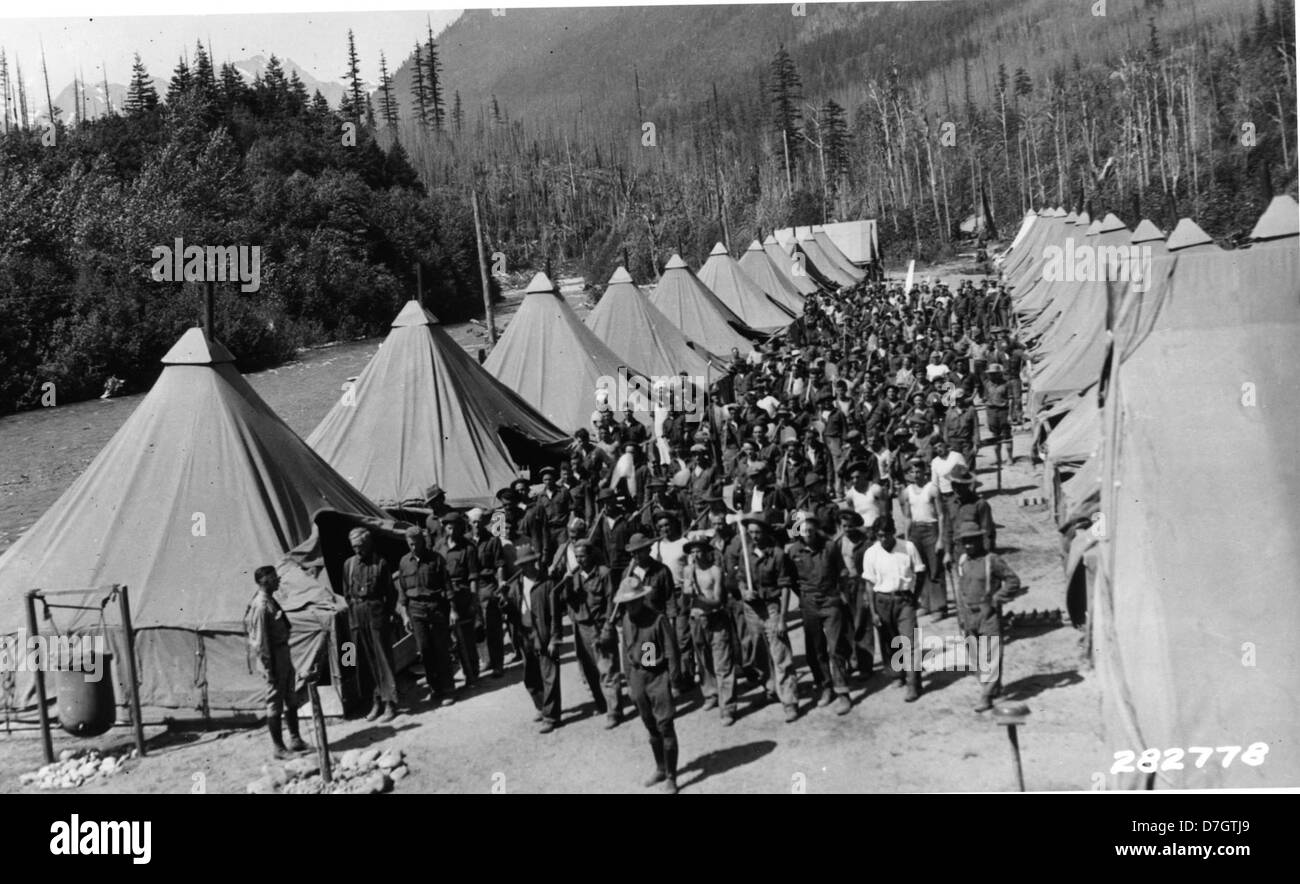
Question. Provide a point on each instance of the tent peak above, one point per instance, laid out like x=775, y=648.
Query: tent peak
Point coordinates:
x=675, y=262
x=414, y=314
x=1281, y=218
x=1110, y=223
x=194, y=348
x=755, y=246
x=541, y=284
x=1186, y=234
x=1146, y=231
x=1082, y=219
x=719, y=249
x=620, y=275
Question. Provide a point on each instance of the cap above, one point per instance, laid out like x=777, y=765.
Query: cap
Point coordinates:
x=525, y=553
x=852, y=516
x=474, y=515
x=433, y=491
x=453, y=517
x=358, y=533
x=605, y=494
x=548, y=470
x=699, y=448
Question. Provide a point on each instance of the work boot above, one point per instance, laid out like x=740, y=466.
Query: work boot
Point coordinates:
x=612, y=720
x=670, y=771
x=547, y=727
x=659, y=775
x=539, y=716
x=913, y=694
x=842, y=705
x=710, y=702
x=826, y=697
x=375, y=710
x=728, y=718
x=295, y=738
x=791, y=712
x=277, y=740
x=389, y=713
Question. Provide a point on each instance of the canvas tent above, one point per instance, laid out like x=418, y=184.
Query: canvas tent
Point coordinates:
x=424, y=411
x=821, y=264
x=838, y=258
x=700, y=315
x=555, y=362
x=767, y=276
x=857, y=240
x=627, y=321
x=791, y=268
x=741, y=294
x=202, y=484
x=1190, y=594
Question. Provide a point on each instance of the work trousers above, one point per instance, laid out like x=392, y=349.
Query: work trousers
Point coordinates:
x=864, y=636
x=898, y=636
x=990, y=664
x=826, y=622
x=280, y=683
x=542, y=678
x=467, y=614
x=598, y=669
x=712, y=638
x=489, y=603
x=432, y=631
x=652, y=693
x=371, y=635
x=681, y=621
x=765, y=617
x=931, y=588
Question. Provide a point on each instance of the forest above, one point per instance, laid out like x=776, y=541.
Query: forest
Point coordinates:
x=596, y=136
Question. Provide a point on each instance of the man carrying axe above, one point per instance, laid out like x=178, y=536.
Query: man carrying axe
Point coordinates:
x=535, y=597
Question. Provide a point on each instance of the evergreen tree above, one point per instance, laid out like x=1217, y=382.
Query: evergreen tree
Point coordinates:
x=458, y=114
x=835, y=135
x=181, y=80
x=353, y=105
x=433, y=82
x=786, y=92
x=296, y=95
x=141, y=96
x=387, y=98
x=417, y=88
x=230, y=86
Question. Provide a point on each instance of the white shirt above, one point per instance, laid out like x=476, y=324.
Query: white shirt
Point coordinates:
x=673, y=554
x=933, y=371
x=756, y=501
x=866, y=503
x=893, y=571
x=922, y=502
x=941, y=467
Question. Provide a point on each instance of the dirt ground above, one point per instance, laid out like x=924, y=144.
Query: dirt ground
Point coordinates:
x=488, y=741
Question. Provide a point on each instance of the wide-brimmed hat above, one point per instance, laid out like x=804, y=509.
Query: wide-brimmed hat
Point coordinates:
x=962, y=475
x=631, y=589
x=525, y=553
x=854, y=517
x=638, y=542
x=994, y=368
x=433, y=491
x=856, y=466
x=970, y=531
x=700, y=545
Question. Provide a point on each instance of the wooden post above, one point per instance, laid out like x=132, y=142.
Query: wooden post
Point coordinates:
x=1015, y=756
x=419, y=283
x=137, y=718
x=46, y=742
x=208, y=297
x=322, y=740
x=483, y=274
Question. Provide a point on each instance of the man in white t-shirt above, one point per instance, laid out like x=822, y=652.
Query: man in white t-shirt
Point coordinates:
x=924, y=511
x=942, y=465
x=889, y=569
x=864, y=494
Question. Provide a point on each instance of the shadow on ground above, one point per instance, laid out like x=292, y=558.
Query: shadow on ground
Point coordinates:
x=720, y=761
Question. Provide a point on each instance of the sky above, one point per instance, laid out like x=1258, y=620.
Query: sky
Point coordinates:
x=316, y=41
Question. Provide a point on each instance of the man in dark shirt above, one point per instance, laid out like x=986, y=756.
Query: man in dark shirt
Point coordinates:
x=538, y=603
x=588, y=594
x=649, y=654
x=371, y=599
x=663, y=597
x=491, y=562
x=764, y=575
x=823, y=602
x=424, y=603
x=462, y=573
x=997, y=399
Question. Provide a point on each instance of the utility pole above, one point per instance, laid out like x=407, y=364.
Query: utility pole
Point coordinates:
x=483, y=273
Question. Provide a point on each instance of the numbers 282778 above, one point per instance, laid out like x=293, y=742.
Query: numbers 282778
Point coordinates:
x=1151, y=760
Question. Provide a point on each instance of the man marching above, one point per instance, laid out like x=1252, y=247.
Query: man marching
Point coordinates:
x=649, y=653
x=533, y=594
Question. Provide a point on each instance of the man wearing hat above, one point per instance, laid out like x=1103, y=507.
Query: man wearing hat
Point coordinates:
x=664, y=596
x=660, y=498
x=764, y=582
x=814, y=500
x=853, y=541
x=823, y=603
x=435, y=500
x=557, y=505
x=984, y=583
x=533, y=595
x=648, y=651
x=961, y=427
x=588, y=592
x=966, y=505
x=705, y=478
x=371, y=599
x=424, y=603
x=614, y=526
x=997, y=403
x=461, y=557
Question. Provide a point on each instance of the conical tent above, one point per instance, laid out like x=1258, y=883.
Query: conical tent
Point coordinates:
x=691, y=306
x=202, y=484
x=838, y=258
x=759, y=267
x=725, y=279
x=627, y=321
x=791, y=268
x=821, y=263
x=424, y=411
x=555, y=362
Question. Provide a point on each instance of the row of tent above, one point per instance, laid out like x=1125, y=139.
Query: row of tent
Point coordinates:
x=204, y=482
x=1163, y=386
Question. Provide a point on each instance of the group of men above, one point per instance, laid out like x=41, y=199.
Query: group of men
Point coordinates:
x=678, y=548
